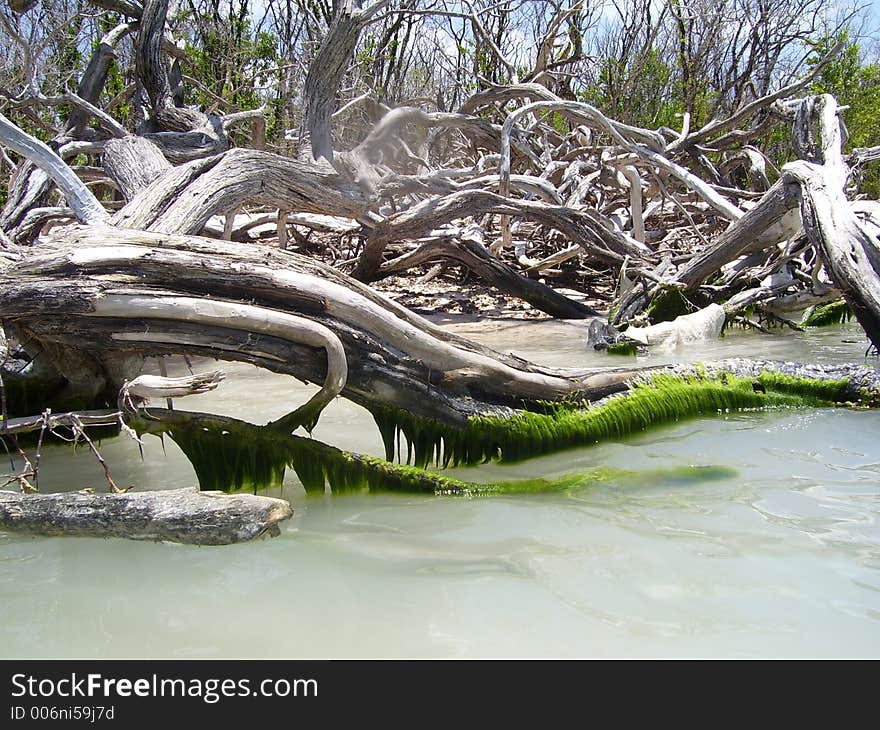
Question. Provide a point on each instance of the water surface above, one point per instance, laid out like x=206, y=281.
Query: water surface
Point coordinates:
x=782, y=559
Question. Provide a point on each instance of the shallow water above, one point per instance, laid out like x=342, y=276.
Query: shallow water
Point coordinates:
x=781, y=559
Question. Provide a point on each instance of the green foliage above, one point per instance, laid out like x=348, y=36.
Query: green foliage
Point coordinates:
x=557, y=121
x=647, y=91
x=233, y=62
x=635, y=92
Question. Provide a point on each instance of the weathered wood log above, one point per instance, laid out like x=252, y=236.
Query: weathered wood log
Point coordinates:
x=86, y=206
x=29, y=188
x=575, y=113
x=220, y=447
x=25, y=424
x=180, y=515
x=372, y=159
x=61, y=295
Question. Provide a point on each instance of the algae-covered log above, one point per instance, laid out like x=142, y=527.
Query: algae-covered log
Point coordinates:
x=654, y=398
x=180, y=515
x=824, y=315
x=231, y=454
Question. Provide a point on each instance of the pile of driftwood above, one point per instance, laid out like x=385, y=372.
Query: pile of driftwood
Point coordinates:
x=512, y=185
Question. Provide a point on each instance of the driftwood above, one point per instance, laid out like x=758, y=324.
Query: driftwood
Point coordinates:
x=179, y=515
x=494, y=272
x=596, y=186
x=58, y=294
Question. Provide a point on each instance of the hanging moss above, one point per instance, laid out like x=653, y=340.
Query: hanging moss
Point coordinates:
x=662, y=398
x=231, y=460
x=834, y=313
x=237, y=455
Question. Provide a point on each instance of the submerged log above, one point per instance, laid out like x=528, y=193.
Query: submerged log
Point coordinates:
x=227, y=453
x=180, y=515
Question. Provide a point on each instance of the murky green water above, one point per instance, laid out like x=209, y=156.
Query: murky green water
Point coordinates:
x=782, y=559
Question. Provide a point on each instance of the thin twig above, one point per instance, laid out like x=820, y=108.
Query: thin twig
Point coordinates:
x=80, y=431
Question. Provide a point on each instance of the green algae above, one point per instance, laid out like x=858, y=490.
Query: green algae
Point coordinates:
x=236, y=455
x=678, y=475
x=661, y=398
x=825, y=315
x=605, y=476
x=629, y=349
x=239, y=456
x=229, y=460
x=228, y=454
x=813, y=391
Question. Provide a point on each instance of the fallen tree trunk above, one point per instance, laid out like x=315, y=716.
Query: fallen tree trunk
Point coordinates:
x=180, y=515
x=108, y=293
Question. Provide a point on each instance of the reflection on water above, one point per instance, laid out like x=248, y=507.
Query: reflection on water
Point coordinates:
x=780, y=559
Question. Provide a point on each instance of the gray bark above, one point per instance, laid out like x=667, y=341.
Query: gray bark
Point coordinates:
x=584, y=227
x=181, y=515
x=84, y=204
x=60, y=296
x=134, y=163
x=743, y=235
x=324, y=78
x=182, y=134
x=184, y=198
x=851, y=253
